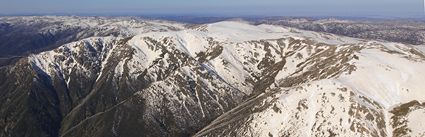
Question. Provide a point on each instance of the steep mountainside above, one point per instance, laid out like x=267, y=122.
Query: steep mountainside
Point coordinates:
x=221, y=79
x=21, y=36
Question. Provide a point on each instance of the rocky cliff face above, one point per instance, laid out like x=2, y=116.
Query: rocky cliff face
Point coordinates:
x=219, y=79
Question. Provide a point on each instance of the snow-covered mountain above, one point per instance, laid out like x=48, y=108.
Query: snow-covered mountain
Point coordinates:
x=408, y=31
x=227, y=78
x=21, y=36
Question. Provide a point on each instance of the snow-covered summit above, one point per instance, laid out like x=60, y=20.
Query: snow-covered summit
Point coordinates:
x=228, y=78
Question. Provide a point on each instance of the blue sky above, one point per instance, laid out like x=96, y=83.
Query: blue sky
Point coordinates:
x=388, y=8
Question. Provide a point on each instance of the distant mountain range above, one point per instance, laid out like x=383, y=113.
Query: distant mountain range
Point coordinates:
x=121, y=76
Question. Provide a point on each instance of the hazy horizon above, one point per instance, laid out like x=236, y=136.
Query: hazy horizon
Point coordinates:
x=359, y=8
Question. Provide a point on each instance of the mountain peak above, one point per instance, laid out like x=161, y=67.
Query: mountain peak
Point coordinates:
x=220, y=79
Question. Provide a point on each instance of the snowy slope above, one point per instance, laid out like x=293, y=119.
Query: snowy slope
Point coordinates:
x=123, y=25
x=230, y=79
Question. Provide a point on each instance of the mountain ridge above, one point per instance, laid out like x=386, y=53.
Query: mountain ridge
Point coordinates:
x=175, y=82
